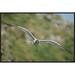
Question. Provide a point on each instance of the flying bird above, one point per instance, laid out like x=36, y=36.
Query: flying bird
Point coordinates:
x=30, y=37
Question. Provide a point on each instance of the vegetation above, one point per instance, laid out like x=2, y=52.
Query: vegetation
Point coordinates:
x=43, y=26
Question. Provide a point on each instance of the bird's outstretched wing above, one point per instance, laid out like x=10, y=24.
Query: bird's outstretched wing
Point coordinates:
x=51, y=42
x=29, y=36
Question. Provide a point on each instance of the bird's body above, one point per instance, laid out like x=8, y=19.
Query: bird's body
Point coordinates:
x=36, y=42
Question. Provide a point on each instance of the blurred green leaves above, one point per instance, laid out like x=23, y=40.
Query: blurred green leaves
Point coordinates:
x=42, y=28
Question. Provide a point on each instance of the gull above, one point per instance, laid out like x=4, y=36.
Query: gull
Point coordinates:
x=29, y=36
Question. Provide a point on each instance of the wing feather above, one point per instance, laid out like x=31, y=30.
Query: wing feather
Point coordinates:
x=51, y=42
x=28, y=34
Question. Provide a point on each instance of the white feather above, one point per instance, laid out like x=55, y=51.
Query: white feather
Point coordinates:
x=51, y=42
x=28, y=35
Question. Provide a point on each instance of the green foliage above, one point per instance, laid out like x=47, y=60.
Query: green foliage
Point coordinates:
x=14, y=41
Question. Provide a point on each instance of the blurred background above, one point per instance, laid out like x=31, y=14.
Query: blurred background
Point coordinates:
x=57, y=27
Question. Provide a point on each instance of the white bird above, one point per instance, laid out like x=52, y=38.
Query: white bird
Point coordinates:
x=29, y=36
